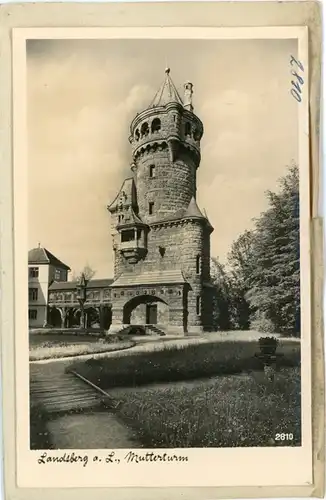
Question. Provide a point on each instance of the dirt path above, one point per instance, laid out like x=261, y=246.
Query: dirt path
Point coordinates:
x=91, y=430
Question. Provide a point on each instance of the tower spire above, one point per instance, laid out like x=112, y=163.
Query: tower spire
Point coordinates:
x=166, y=93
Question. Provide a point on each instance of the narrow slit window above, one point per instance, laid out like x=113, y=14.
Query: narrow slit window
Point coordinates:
x=151, y=207
x=152, y=171
x=198, y=305
x=198, y=264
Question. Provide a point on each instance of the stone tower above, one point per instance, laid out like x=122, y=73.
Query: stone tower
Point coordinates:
x=161, y=239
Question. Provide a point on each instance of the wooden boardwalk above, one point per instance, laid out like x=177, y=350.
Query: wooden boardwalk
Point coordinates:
x=76, y=416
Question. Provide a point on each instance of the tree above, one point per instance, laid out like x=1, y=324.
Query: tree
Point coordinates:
x=274, y=291
x=221, y=299
x=88, y=272
x=241, y=263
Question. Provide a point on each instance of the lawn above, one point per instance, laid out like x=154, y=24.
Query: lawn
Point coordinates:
x=206, y=394
x=64, y=346
x=181, y=362
x=225, y=411
x=39, y=436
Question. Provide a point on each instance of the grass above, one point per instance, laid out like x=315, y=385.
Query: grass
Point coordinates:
x=226, y=411
x=58, y=349
x=183, y=362
x=39, y=436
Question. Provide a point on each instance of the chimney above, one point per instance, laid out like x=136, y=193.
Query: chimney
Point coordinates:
x=187, y=101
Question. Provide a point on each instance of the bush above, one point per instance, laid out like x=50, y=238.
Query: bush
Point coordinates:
x=268, y=345
x=262, y=324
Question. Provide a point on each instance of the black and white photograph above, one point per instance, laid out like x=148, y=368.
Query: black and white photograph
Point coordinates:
x=167, y=207
x=164, y=261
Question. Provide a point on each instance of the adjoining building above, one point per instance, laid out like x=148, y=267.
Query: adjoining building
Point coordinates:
x=43, y=269
x=161, y=239
x=64, y=308
x=52, y=299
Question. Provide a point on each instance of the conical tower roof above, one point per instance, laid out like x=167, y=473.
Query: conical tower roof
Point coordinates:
x=167, y=93
x=193, y=210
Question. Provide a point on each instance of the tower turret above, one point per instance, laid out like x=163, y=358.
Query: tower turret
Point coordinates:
x=165, y=141
x=161, y=239
x=188, y=96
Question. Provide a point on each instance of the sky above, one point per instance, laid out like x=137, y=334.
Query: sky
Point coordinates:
x=82, y=96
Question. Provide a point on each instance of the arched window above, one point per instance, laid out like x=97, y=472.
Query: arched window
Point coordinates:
x=156, y=125
x=196, y=134
x=198, y=264
x=144, y=129
x=188, y=129
x=137, y=135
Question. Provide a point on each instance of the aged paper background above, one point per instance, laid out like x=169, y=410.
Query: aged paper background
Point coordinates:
x=207, y=471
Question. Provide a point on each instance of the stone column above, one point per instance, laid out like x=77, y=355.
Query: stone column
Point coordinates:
x=63, y=317
x=176, y=322
x=46, y=315
x=101, y=314
x=195, y=323
x=117, y=318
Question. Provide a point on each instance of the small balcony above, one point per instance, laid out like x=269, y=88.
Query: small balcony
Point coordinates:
x=133, y=244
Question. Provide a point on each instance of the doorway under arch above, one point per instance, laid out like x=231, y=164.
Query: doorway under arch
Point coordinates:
x=145, y=310
x=55, y=317
x=92, y=317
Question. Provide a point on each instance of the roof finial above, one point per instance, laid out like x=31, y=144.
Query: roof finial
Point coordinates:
x=39, y=244
x=167, y=70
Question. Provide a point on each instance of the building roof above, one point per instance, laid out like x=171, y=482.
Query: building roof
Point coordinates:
x=130, y=219
x=71, y=285
x=126, y=195
x=41, y=255
x=166, y=93
x=191, y=212
x=150, y=278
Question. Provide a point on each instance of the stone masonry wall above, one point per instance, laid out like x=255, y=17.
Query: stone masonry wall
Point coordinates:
x=182, y=243
x=172, y=187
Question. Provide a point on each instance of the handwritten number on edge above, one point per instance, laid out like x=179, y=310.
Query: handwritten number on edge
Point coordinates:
x=296, y=89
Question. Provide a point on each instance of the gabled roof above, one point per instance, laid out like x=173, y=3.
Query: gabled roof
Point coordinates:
x=131, y=219
x=126, y=195
x=71, y=285
x=41, y=255
x=166, y=93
